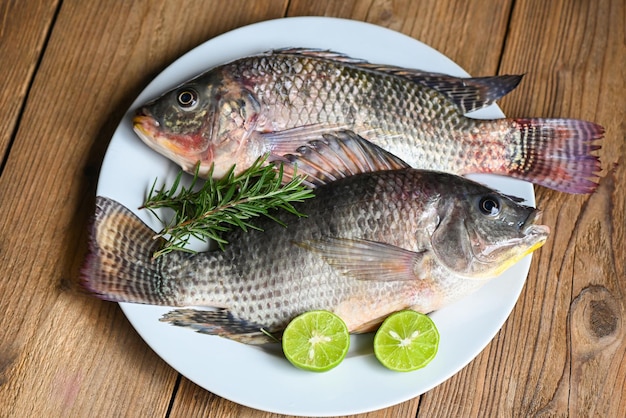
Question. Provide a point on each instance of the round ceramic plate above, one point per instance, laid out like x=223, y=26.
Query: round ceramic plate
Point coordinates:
x=260, y=377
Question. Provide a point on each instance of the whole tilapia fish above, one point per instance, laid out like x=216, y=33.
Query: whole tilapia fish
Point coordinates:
x=372, y=243
x=277, y=101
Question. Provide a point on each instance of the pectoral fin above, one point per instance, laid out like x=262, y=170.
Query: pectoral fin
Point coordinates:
x=336, y=155
x=219, y=322
x=289, y=140
x=369, y=260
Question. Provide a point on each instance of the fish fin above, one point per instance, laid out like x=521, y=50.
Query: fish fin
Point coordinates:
x=119, y=265
x=319, y=54
x=289, y=140
x=516, y=199
x=368, y=260
x=467, y=93
x=557, y=153
x=336, y=156
x=220, y=322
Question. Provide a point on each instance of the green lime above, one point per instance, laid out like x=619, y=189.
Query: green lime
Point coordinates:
x=316, y=341
x=406, y=341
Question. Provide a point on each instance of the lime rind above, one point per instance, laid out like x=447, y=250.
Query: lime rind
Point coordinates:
x=316, y=341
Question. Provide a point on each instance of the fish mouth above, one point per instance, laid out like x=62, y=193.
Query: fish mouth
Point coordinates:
x=534, y=233
x=531, y=226
x=147, y=129
x=532, y=236
x=145, y=125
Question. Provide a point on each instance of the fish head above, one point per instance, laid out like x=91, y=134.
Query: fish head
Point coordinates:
x=203, y=123
x=481, y=232
x=178, y=124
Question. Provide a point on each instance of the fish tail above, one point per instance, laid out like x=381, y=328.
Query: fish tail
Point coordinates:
x=119, y=265
x=557, y=153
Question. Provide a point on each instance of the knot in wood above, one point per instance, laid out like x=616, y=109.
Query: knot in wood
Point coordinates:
x=596, y=320
x=602, y=319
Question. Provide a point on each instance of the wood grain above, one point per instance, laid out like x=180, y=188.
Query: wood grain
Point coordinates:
x=451, y=27
x=20, y=50
x=72, y=70
x=59, y=350
x=192, y=401
x=562, y=352
x=577, y=306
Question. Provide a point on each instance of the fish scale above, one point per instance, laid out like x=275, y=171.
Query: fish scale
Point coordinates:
x=284, y=99
x=400, y=117
x=250, y=285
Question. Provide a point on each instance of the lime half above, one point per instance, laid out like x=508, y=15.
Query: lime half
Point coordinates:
x=316, y=341
x=406, y=341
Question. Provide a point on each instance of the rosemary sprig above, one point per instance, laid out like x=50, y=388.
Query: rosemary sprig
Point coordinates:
x=219, y=205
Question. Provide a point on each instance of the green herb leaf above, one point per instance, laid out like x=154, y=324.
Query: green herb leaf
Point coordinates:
x=219, y=205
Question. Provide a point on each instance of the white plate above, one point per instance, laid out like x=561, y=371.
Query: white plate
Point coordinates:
x=261, y=378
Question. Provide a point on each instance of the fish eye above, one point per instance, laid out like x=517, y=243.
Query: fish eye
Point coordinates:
x=489, y=205
x=187, y=98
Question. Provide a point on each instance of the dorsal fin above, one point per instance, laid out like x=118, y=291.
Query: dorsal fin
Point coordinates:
x=320, y=54
x=335, y=156
x=467, y=94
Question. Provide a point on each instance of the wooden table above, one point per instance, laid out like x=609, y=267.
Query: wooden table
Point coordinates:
x=71, y=69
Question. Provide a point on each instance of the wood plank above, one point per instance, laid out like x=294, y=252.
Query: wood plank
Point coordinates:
x=561, y=353
x=448, y=26
x=63, y=354
x=20, y=48
x=192, y=401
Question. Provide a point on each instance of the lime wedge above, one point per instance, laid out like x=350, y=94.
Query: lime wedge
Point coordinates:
x=316, y=341
x=406, y=341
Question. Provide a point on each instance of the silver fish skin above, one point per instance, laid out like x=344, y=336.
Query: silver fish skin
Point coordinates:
x=372, y=244
x=277, y=101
